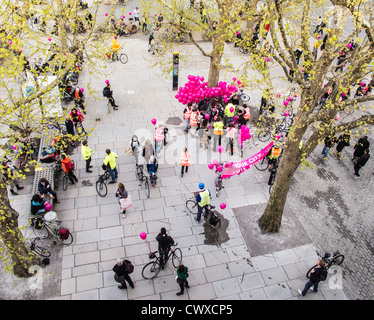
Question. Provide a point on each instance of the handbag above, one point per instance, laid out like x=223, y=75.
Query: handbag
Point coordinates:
x=125, y=203
x=129, y=151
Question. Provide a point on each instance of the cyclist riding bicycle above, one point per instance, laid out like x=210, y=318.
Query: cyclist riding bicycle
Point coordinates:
x=164, y=244
x=273, y=156
x=115, y=47
x=152, y=167
x=203, y=200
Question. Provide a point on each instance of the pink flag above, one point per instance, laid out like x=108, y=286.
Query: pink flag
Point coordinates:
x=236, y=168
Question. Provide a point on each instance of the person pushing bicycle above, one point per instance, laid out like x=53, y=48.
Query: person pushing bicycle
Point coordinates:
x=164, y=243
x=203, y=200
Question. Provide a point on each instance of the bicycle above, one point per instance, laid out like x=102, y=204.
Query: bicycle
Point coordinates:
x=101, y=187
x=168, y=36
x=49, y=225
x=139, y=174
x=114, y=56
x=39, y=250
x=152, y=269
x=265, y=134
x=211, y=217
x=330, y=260
x=218, y=183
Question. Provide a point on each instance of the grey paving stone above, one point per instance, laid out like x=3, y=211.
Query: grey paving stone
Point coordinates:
x=279, y=291
x=226, y=287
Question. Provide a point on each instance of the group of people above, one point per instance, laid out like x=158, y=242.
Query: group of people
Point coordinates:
x=123, y=268
x=361, y=149
x=209, y=119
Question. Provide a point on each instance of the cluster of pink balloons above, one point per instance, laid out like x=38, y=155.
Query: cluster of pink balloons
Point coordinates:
x=215, y=164
x=197, y=89
x=244, y=134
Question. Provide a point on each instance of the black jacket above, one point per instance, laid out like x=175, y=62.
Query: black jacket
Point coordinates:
x=362, y=160
x=360, y=147
x=315, y=276
x=164, y=241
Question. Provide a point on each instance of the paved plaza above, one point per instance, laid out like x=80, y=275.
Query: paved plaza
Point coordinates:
x=326, y=209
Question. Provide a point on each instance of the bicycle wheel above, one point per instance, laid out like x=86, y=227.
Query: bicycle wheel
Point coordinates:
x=282, y=135
x=264, y=136
x=123, y=58
x=214, y=221
x=64, y=182
x=192, y=206
x=42, y=252
x=338, y=260
x=151, y=270
x=146, y=186
x=74, y=80
x=244, y=97
x=101, y=188
x=310, y=271
x=66, y=241
x=176, y=257
x=41, y=232
x=109, y=107
x=262, y=165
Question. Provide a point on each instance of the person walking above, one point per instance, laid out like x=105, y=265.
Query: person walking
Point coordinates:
x=10, y=176
x=122, y=269
x=79, y=99
x=110, y=163
x=361, y=145
x=164, y=243
x=69, y=125
x=45, y=189
x=203, y=200
x=122, y=194
x=185, y=161
x=68, y=167
x=77, y=118
x=86, y=153
x=361, y=162
x=148, y=150
x=343, y=141
x=135, y=147
x=108, y=93
x=315, y=278
x=329, y=143
x=187, y=115
x=217, y=132
x=230, y=135
x=182, y=275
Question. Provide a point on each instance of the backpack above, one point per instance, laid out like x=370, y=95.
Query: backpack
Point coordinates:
x=323, y=274
x=106, y=92
x=69, y=166
x=129, y=266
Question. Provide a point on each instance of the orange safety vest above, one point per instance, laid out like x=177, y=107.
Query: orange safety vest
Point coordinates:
x=275, y=153
x=159, y=134
x=187, y=114
x=185, y=159
x=247, y=114
x=193, y=119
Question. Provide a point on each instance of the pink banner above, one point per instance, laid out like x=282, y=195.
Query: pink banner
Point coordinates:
x=236, y=168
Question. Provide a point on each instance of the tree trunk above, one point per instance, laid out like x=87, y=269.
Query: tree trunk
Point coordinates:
x=13, y=239
x=270, y=220
x=215, y=60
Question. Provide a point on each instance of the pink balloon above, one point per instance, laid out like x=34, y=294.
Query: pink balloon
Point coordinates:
x=123, y=17
x=210, y=166
x=278, y=136
x=268, y=59
x=289, y=99
x=106, y=14
x=153, y=121
x=220, y=148
x=143, y=235
x=349, y=45
x=248, y=136
x=106, y=81
x=286, y=113
x=362, y=83
x=285, y=102
x=49, y=39
x=219, y=168
x=215, y=162
x=222, y=205
x=231, y=109
x=207, y=116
